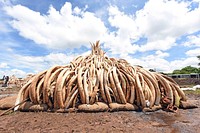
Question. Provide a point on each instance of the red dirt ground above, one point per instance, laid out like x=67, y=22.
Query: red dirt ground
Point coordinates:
x=184, y=121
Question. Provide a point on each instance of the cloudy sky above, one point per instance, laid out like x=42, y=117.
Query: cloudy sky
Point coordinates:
x=158, y=34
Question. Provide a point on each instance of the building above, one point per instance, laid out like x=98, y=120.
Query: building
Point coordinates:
x=192, y=75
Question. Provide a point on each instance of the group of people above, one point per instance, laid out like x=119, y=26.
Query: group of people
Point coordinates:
x=5, y=81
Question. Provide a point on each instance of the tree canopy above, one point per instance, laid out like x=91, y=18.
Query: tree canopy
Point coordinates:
x=187, y=70
x=199, y=59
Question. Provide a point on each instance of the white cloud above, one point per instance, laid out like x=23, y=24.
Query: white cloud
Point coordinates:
x=158, y=62
x=196, y=1
x=191, y=61
x=58, y=58
x=67, y=28
x=120, y=41
x=4, y=26
x=161, y=54
x=86, y=53
x=193, y=52
x=162, y=25
x=72, y=27
x=36, y=64
x=5, y=2
x=192, y=40
x=151, y=62
x=17, y=72
x=162, y=22
x=4, y=65
x=44, y=62
x=159, y=44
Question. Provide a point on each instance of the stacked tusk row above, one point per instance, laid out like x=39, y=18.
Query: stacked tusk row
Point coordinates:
x=98, y=83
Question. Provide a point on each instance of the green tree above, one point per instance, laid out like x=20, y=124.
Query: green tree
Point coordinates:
x=177, y=72
x=199, y=59
x=187, y=70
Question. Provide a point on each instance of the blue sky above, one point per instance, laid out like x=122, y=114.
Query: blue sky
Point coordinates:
x=156, y=34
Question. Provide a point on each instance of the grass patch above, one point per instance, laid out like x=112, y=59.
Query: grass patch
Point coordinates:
x=197, y=92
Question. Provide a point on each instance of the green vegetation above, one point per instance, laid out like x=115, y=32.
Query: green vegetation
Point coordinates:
x=187, y=70
x=197, y=92
x=199, y=59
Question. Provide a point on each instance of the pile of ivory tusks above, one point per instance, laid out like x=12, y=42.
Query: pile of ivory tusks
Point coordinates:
x=98, y=83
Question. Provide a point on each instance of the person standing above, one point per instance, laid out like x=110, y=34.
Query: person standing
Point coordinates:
x=5, y=79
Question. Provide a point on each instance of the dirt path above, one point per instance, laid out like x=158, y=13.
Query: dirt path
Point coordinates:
x=185, y=121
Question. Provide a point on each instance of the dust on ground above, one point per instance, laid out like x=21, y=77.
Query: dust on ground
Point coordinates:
x=184, y=121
